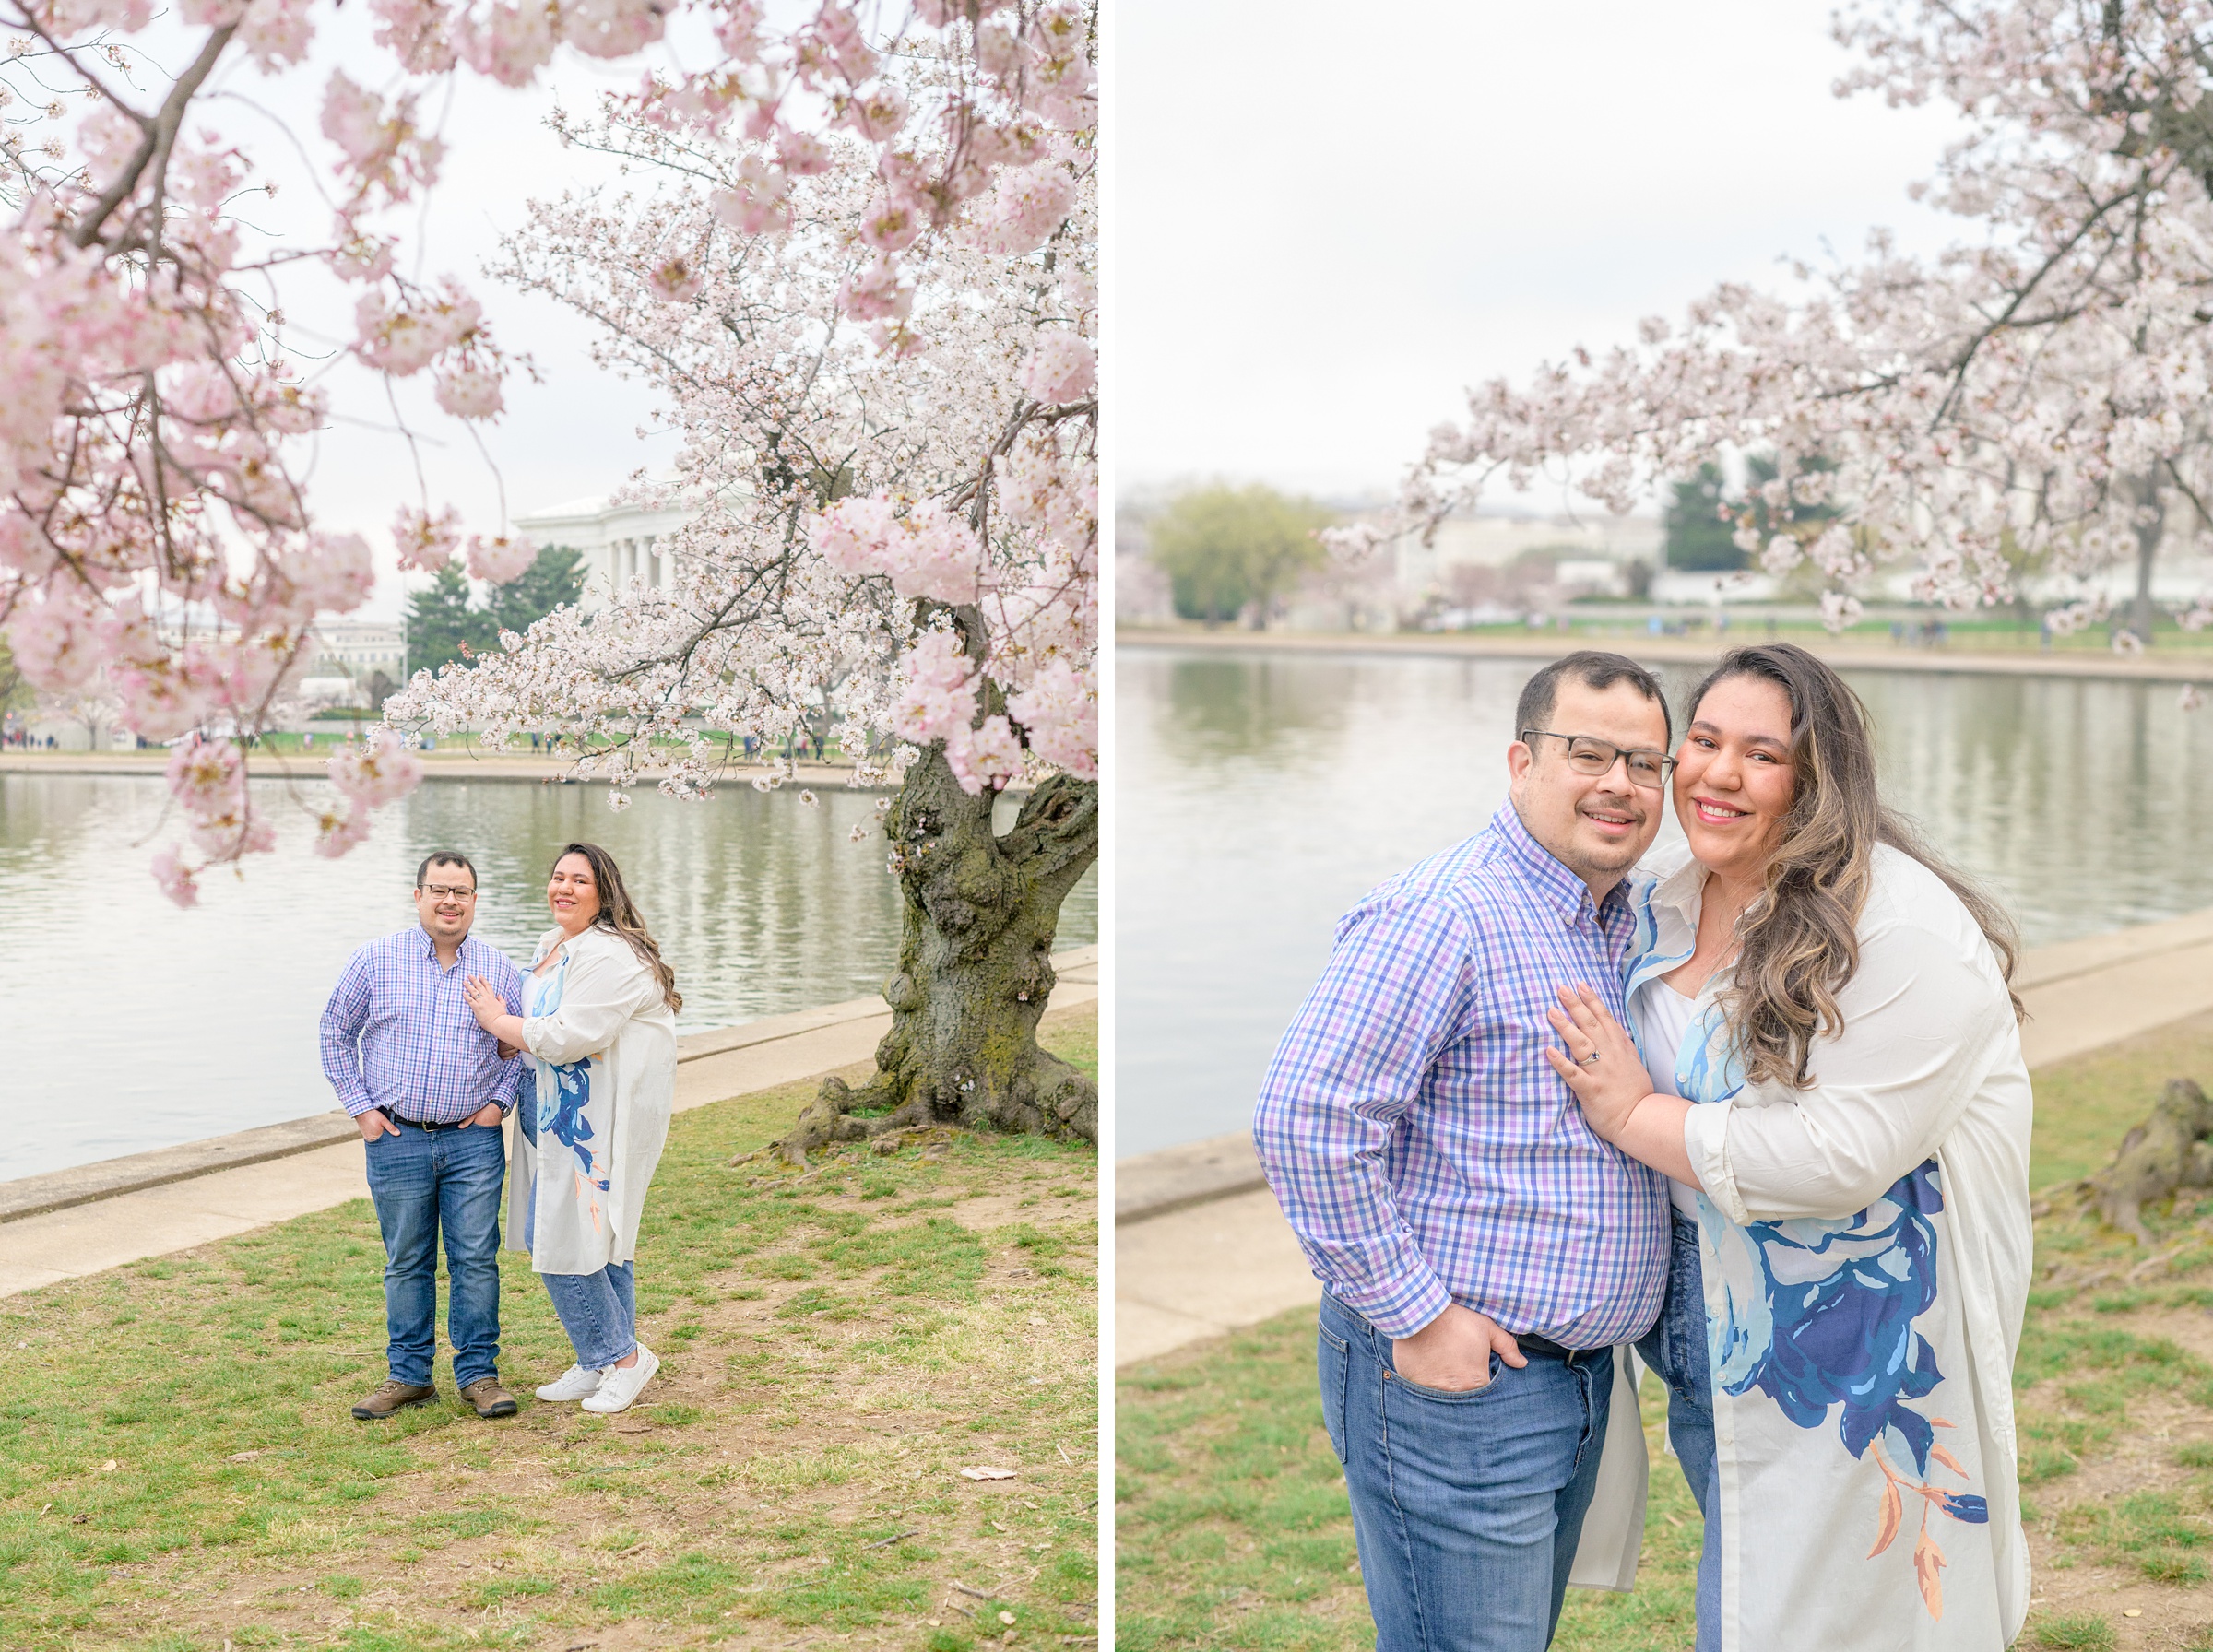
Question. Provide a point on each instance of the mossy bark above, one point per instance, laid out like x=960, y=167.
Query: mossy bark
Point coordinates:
x=2156, y=1160
x=974, y=970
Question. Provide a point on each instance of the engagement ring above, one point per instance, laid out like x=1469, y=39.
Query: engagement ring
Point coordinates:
x=1589, y=1060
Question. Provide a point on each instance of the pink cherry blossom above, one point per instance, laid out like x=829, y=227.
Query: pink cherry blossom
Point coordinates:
x=426, y=543
x=55, y=641
x=207, y=778
x=1061, y=708
x=676, y=279
x=176, y=878
x=500, y=561
x=340, y=830
x=1063, y=368
x=754, y=201
x=472, y=390
x=876, y=292
x=1027, y=204
x=987, y=755
x=381, y=769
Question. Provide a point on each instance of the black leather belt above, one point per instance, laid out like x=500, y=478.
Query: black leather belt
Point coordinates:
x=1531, y=1343
x=419, y=1124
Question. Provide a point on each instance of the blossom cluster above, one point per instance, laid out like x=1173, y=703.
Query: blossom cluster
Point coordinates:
x=936, y=584
x=157, y=539
x=2029, y=406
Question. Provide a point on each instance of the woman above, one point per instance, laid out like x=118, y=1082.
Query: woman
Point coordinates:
x=601, y=1029
x=1844, y=1112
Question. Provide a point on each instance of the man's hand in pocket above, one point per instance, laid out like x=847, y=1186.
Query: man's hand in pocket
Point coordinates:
x=1454, y=1351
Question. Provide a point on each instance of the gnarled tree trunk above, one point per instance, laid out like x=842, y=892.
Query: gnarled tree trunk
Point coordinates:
x=974, y=970
x=2158, y=1159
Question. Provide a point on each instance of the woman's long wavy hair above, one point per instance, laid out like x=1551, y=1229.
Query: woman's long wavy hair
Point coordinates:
x=619, y=913
x=1798, y=941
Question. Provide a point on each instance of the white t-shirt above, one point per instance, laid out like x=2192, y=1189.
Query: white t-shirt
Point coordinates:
x=1662, y=1016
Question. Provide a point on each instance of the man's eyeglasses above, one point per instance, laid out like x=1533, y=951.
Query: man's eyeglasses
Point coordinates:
x=1588, y=756
x=448, y=892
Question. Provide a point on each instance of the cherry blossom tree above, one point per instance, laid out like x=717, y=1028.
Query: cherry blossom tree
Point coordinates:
x=2033, y=400
x=156, y=524
x=890, y=474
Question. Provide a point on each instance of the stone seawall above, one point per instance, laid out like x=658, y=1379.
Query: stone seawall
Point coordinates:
x=2172, y=666
x=710, y=1064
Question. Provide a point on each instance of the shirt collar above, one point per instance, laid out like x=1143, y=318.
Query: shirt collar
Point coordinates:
x=1558, y=890
x=1682, y=889
x=429, y=945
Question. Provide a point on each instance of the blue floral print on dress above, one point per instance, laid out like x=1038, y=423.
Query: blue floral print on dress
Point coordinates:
x=1832, y=1323
x=560, y=1105
x=564, y=1121
x=1818, y=1312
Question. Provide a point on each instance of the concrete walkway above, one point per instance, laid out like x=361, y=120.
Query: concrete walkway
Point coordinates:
x=2168, y=665
x=1201, y=1249
x=202, y=1205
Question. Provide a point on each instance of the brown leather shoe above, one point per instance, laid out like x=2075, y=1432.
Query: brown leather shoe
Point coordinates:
x=489, y=1397
x=391, y=1396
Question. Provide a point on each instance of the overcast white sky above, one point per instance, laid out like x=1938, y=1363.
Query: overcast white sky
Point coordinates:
x=1330, y=221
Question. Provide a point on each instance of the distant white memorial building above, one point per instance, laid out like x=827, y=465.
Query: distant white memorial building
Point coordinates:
x=619, y=543
x=346, y=657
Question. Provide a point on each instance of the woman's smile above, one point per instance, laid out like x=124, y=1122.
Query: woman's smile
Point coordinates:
x=1715, y=812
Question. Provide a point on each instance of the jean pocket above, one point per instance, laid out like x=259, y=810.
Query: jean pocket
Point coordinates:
x=1334, y=1358
x=1454, y=1395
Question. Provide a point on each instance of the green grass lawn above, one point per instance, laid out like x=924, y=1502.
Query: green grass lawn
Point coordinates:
x=178, y=1469
x=1232, y=1529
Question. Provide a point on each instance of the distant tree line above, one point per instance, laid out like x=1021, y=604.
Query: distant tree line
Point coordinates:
x=1237, y=553
x=1701, y=519
x=444, y=623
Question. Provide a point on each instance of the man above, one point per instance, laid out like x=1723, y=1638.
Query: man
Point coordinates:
x=1482, y=1251
x=430, y=1088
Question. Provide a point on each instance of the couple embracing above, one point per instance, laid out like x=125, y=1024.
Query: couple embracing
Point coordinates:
x=425, y=1040
x=1753, y=1106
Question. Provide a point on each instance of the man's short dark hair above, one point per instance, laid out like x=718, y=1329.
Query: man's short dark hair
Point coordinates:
x=1596, y=669
x=445, y=858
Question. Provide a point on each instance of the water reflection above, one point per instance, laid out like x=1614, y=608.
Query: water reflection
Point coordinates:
x=1236, y=708
x=133, y=1025
x=1247, y=826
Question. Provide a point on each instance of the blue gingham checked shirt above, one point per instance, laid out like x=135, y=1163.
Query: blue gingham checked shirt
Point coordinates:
x=1412, y=1132
x=397, y=1033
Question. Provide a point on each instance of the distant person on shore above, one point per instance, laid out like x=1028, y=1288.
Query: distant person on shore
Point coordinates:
x=1482, y=1253
x=430, y=1088
x=600, y=1024
x=1827, y=1066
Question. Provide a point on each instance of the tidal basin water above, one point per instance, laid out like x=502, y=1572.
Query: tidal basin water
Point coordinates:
x=131, y=1024
x=1260, y=796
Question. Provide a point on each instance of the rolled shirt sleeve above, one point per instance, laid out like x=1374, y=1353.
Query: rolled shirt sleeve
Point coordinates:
x=1920, y=1017
x=1399, y=988
x=343, y=1019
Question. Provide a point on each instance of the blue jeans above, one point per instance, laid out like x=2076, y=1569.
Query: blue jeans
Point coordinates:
x=599, y=1311
x=1675, y=1348
x=1467, y=1507
x=424, y=1181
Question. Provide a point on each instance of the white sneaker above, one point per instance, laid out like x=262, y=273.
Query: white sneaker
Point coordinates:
x=575, y=1383
x=620, y=1386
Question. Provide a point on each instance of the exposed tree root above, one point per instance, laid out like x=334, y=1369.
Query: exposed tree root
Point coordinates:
x=2159, y=1158
x=974, y=972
